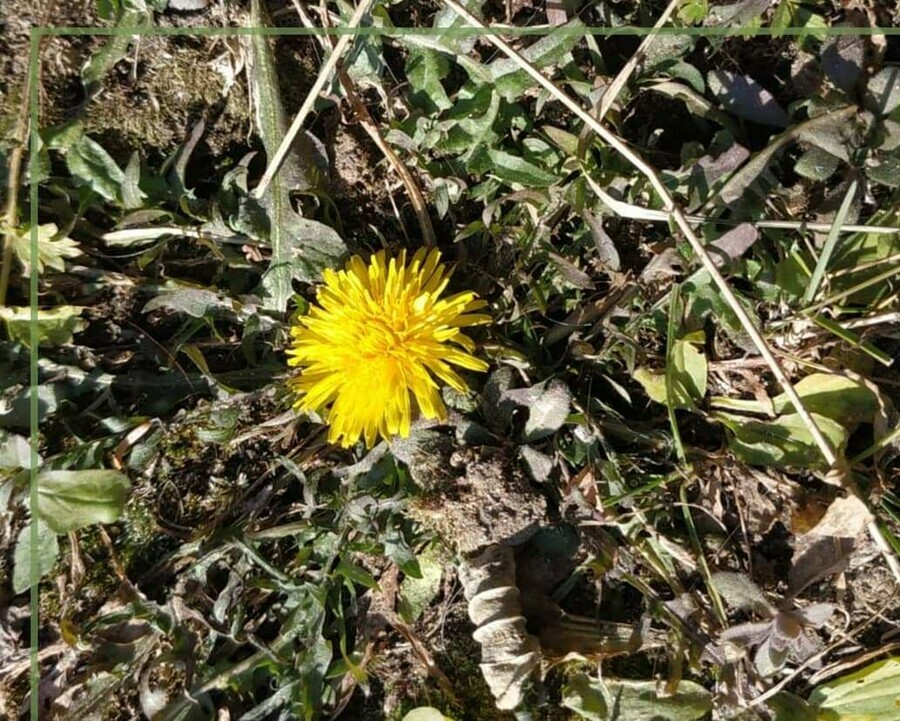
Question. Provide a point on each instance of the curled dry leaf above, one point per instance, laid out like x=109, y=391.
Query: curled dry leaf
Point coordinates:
x=825, y=549
x=510, y=656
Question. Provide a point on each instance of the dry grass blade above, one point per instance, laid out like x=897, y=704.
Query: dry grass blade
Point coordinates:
x=322, y=80
x=675, y=213
x=637, y=212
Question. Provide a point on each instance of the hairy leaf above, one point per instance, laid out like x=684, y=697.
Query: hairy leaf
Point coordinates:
x=68, y=500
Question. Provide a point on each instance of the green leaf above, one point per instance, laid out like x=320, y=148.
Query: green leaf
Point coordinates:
x=195, y=302
x=837, y=397
x=788, y=707
x=689, y=374
x=15, y=451
x=627, y=700
x=548, y=405
x=301, y=248
x=68, y=500
x=426, y=713
x=47, y=553
x=397, y=549
x=470, y=123
x=417, y=593
x=693, y=11
x=585, y=696
x=510, y=81
x=305, y=248
x=883, y=91
x=93, y=166
x=884, y=168
x=132, y=196
x=356, y=574
x=129, y=15
x=817, y=164
x=424, y=70
x=746, y=98
x=55, y=326
x=872, y=694
x=513, y=169
x=52, y=250
x=782, y=442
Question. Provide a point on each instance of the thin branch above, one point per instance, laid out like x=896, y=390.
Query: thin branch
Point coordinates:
x=322, y=80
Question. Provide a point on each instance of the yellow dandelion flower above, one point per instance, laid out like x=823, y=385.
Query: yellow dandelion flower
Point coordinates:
x=377, y=341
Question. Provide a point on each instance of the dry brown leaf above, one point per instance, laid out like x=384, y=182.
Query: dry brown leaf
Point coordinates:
x=825, y=549
x=845, y=518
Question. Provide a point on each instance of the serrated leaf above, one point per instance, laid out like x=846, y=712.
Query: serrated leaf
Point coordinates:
x=47, y=553
x=424, y=70
x=872, y=694
x=301, y=248
x=307, y=247
x=513, y=169
x=133, y=14
x=397, y=549
x=783, y=442
x=741, y=13
x=52, y=250
x=55, y=326
x=509, y=80
x=692, y=11
x=195, y=302
x=69, y=500
x=92, y=165
x=470, y=123
x=746, y=98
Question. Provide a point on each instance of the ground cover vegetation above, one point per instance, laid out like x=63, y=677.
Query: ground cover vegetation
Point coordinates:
x=538, y=375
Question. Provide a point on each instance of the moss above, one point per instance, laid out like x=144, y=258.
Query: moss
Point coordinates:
x=174, y=86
